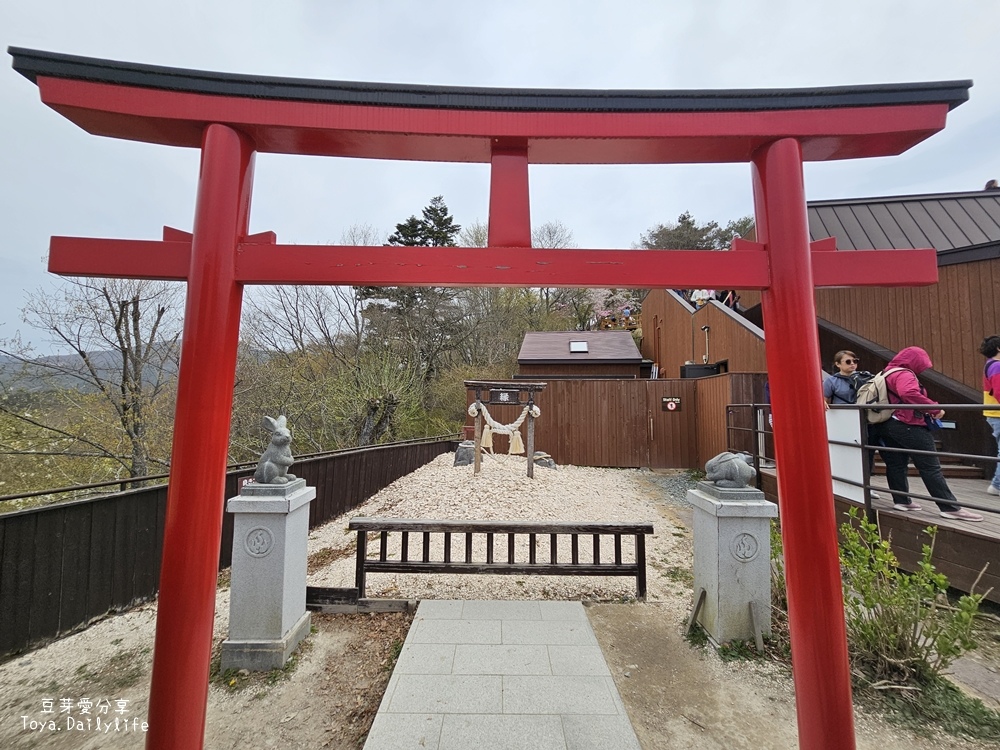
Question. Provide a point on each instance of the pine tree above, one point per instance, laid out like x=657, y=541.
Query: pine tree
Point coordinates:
x=422, y=323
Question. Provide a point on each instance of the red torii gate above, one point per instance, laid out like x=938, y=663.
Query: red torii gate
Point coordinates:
x=231, y=117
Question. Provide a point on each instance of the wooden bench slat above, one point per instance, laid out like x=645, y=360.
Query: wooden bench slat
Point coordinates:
x=586, y=569
x=498, y=527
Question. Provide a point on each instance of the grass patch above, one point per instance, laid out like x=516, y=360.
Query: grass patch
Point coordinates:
x=936, y=704
x=394, y=651
x=679, y=575
x=696, y=636
x=739, y=651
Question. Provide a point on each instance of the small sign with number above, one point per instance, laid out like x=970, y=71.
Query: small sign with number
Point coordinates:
x=671, y=403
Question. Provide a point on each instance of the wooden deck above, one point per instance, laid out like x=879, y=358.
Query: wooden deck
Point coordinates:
x=961, y=548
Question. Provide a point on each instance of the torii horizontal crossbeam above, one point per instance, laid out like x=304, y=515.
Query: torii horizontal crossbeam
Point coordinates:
x=260, y=263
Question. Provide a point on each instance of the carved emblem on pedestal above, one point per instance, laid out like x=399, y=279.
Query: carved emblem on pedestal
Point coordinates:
x=259, y=542
x=744, y=547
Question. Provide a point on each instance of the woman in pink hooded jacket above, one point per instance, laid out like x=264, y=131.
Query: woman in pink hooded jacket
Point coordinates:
x=907, y=430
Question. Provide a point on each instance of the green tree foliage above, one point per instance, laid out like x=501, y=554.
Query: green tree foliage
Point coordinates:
x=437, y=228
x=420, y=325
x=688, y=234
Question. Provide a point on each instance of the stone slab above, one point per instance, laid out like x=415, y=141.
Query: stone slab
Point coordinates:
x=587, y=695
x=418, y=731
x=447, y=694
x=548, y=632
x=577, y=660
x=426, y=658
x=746, y=507
x=271, y=502
x=501, y=610
x=599, y=733
x=505, y=732
x=455, y=631
x=501, y=659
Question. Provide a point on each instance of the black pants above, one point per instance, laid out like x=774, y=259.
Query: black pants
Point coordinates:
x=898, y=434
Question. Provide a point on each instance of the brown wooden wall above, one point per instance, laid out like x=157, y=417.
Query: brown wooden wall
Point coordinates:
x=666, y=332
x=678, y=331
x=582, y=368
x=623, y=423
x=948, y=319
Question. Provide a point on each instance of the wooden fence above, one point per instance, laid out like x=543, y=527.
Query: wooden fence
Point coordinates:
x=663, y=423
x=62, y=566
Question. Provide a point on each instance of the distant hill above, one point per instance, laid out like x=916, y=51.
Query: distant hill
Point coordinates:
x=18, y=376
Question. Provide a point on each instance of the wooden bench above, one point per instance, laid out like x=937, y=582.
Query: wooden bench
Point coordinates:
x=501, y=561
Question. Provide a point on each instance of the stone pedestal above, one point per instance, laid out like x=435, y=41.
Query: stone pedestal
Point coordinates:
x=267, y=608
x=732, y=560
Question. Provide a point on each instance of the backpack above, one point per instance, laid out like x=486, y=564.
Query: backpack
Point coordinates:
x=876, y=391
x=857, y=380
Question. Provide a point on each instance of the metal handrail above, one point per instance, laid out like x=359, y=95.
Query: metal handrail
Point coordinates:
x=758, y=457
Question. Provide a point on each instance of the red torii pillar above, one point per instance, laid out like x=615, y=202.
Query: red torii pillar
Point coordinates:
x=808, y=523
x=132, y=101
x=193, y=528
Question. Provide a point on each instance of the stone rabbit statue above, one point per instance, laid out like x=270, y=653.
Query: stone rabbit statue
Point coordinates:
x=729, y=470
x=273, y=465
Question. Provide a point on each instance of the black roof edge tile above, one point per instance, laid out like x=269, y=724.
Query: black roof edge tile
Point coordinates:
x=970, y=254
x=33, y=63
x=904, y=198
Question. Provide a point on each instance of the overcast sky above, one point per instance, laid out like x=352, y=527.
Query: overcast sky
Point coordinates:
x=56, y=179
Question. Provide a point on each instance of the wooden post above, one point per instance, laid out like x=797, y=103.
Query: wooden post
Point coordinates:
x=531, y=438
x=477, y=458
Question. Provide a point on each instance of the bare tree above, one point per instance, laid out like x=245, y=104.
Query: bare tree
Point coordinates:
x=109, y=393
x=476, y=234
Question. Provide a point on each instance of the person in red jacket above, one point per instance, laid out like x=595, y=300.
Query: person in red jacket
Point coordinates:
x=908, y=430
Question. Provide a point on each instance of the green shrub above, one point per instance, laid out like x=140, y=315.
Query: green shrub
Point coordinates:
x=900, y=626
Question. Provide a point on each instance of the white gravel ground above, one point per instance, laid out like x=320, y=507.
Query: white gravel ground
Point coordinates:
x=502, y=491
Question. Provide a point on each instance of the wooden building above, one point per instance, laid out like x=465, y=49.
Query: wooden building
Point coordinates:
x=948, y=319
x=579, y=355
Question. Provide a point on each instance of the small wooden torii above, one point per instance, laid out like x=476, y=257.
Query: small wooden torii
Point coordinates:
x=505, y=393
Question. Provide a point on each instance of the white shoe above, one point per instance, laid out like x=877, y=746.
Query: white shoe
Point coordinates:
x=911, y=507
x=991, y=490
x=875, y=495
x=961, y=515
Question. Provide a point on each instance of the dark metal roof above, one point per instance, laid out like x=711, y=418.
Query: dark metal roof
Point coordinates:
x=948, y=222
x=34, y=63
x=552, y=347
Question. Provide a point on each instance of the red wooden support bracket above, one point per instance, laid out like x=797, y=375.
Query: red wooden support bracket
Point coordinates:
x=510, y=213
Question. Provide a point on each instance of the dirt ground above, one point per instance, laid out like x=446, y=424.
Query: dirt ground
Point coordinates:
x=677, y=695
